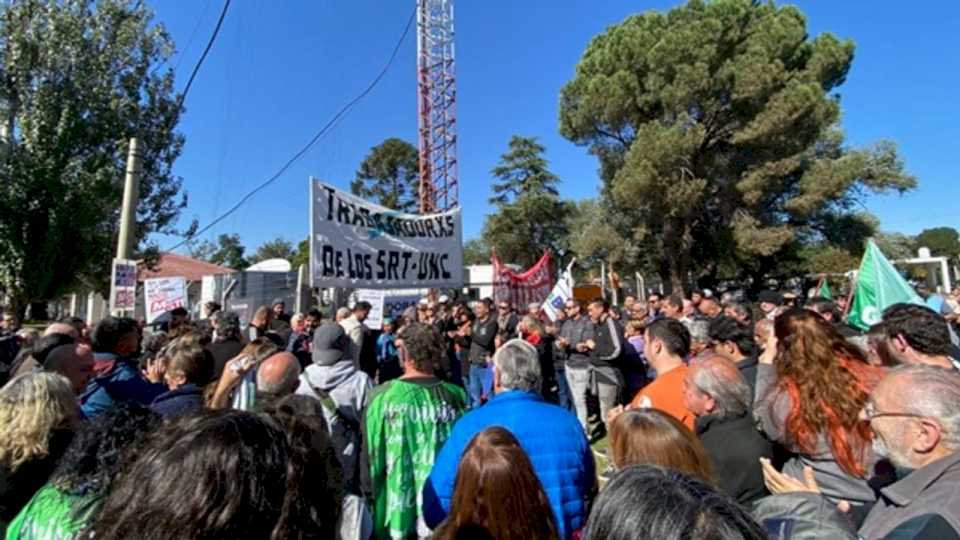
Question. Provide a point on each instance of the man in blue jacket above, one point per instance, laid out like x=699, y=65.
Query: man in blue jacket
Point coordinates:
x=117, y=377
x=551, y=436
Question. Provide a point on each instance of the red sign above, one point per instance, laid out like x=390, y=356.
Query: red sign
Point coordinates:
x=521, y=289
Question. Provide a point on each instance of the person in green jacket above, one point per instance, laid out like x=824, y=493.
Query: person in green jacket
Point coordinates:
x=69, y=502
x=405, y=424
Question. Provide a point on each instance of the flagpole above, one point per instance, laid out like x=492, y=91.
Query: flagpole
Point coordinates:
x=853, y=288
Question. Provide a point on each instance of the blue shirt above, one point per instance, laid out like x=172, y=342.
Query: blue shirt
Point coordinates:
x=386, y=348
x=551, y=436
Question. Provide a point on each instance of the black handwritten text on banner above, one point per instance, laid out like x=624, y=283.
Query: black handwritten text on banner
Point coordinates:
x=355, y=243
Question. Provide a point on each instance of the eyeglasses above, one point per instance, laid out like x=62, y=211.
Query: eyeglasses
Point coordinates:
x=870, y=413
x=504, y=308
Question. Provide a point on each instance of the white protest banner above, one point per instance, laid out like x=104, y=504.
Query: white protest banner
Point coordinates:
x=355, y=243
x=164, y=294
x=561, y=292
x=375, y=298
x=123, y=285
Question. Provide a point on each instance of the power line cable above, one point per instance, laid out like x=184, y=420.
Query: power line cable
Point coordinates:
x=206, y=50
x=323, y=131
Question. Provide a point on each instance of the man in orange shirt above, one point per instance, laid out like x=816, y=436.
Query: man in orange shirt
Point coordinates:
x=666, y=344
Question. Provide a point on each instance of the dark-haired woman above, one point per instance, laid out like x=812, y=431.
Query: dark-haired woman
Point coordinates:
x=67, y=504
x=811, y=385
x=317, y=504
x=649, y=503
x=497, y=493
x=208, y=475
x=652, y=437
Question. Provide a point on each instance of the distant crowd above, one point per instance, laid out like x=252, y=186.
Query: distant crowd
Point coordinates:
x=668, y=417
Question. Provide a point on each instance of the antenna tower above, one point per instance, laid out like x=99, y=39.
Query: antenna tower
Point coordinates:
x=436, y=98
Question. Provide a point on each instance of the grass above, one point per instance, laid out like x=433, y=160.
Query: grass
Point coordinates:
x=601, y=457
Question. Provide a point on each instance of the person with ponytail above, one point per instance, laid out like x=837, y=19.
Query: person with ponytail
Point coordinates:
x=811, y=385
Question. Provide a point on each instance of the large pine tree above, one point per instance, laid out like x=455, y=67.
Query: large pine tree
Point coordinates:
x=390, y=176
x=530, y=216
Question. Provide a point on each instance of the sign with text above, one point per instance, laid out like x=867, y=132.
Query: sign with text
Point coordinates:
x=355, y=243
x=123, y=285
x=164, y=294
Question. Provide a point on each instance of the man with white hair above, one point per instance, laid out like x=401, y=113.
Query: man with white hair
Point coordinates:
x=551, y=436
x=914, y=414
x=715, y=391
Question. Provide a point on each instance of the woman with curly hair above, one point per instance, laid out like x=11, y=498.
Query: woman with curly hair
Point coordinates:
x=205, y=475
x=38, y=413
x=811, y=385
x=63, y=507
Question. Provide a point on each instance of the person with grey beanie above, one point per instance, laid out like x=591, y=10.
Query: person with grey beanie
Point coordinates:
x=343, y=390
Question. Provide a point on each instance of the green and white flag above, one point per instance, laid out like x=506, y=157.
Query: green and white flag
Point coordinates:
x=824, y=291
x=879, y=286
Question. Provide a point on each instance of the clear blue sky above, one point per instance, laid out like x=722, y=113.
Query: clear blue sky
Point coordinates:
x=279, y=70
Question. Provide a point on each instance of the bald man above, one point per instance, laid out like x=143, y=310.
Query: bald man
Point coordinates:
x=73, y=361
x=715, y=391
x=62, y=328
x=279, y=375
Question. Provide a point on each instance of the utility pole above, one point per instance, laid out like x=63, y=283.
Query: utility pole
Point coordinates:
x=123, y=278
x=131, y=194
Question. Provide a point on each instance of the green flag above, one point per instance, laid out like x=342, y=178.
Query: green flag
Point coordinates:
x=824, y=291
x=879, y=286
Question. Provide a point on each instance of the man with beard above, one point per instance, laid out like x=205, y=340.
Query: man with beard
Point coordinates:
x=913, y=414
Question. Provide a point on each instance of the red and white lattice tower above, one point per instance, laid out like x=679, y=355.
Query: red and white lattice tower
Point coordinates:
x=437, y=97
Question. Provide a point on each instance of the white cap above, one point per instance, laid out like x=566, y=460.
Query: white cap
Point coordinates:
x=443, y=299
x=424, y=302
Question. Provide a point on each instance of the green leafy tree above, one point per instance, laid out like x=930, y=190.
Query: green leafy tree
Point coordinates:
x=278, y=248
x=78, y=78
x=227, y=251
x=896, y=246
x=302, y=255
x=390, y=176
x=530, y=217
x=716, y=129
x=942, y=241
x=523, y=171
x=476, y=251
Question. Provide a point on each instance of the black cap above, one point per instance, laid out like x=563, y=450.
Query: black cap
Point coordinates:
x=330, y=344
x=770, y=297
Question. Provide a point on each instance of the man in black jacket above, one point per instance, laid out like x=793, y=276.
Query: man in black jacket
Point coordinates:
x=483, y=335
x=715, y=391
x=734, y=341
x=605, y=349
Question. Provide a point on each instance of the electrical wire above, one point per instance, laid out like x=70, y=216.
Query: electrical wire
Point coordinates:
x=206, y=50
x=323, y=131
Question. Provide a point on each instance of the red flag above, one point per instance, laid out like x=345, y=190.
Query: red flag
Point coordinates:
x=521, y=289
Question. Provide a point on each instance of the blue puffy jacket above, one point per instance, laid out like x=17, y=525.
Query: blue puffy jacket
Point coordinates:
x=122, y=383
x=551, y=437
x=183, y=400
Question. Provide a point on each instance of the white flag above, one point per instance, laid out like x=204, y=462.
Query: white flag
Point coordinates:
x=561, y=292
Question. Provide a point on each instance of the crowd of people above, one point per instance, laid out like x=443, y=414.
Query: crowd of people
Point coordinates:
x=666, y=417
